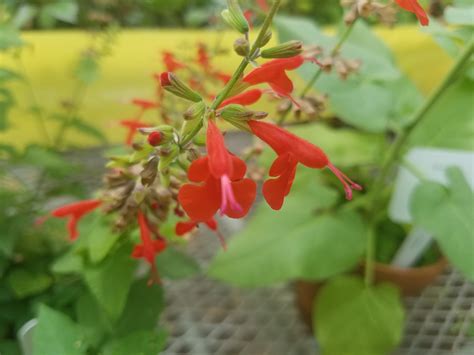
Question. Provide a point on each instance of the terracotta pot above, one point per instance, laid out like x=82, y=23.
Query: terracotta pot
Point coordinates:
x=410, y=281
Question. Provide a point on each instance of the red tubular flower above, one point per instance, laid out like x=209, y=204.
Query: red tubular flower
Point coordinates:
x=133, y=125
x=262, y=4
x=415, y=7
x=144, y=104
x=171, y=63
x=292, y=150
x=75, y=211
x=245, y=99
x=149, y=247
x=203, y=57
x=183, y=228
x=274, y=73
x=221, y=183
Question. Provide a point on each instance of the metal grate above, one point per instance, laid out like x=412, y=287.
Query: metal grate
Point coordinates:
x=206, y=317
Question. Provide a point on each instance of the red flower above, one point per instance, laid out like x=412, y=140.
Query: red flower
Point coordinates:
x=149, y=247
x=132, y=125
x=245, y=99
x=203, y=57
x=222, y=185
x=263, y=5
x=144, y=104
x=185, y=227
x=415, y=7
x=171, y=63
x=274, y=73
x=292, y=150
x=75, y=211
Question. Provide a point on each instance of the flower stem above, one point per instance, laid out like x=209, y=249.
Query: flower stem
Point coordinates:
x=240, y=70
x=319, y=71
x=397, y=149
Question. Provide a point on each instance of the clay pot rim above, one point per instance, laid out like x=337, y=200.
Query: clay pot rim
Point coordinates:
x=441, y=263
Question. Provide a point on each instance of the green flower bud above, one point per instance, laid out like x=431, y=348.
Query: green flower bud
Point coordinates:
x=265, y=39
x=237, y=114
x=284, y=50
x=234, y=17
x=242, y=47
x=171, y=83
x=197, y=110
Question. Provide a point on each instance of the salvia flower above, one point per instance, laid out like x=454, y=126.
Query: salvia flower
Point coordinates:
x=75, y=211
x=171, y=63
x=292, y=150
x=218, y=183
x=414, y=7
x=246, y=98
x=132, y=125
x=274, y=74
x=185, y=227
x=144, y=104
x=149, y=247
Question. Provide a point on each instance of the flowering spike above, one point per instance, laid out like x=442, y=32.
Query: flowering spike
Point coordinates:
x=75, y=211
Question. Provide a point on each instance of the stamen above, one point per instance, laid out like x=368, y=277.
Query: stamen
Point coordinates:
x=227, y=196
x=346, y=182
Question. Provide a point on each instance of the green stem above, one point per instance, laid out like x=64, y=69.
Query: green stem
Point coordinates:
x=395, y=153
x=319, y=71
x=240, y=70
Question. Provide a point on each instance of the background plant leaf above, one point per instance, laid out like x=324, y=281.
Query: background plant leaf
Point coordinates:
x=352, y=319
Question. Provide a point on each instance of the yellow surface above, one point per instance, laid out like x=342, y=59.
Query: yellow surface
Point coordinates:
x=136, y=56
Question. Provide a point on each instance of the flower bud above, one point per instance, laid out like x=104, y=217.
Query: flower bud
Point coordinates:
x=234, y=17
x=171, y=83
x=159, y=135
x=233, y=113
x=197, y=110
x=242, y=47
x=265, y=39
x=284, y=50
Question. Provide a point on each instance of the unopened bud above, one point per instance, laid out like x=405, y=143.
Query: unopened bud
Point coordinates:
x=155, y=138
x=265, y=39
x=197, y=110
x=284, y=50
x=171, y=83
x=242, y=47
x=159, y=135
x=232, y=112
x=234, y=17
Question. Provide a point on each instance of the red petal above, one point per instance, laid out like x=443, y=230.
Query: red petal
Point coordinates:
x=137, y=251
x=72, y=228
x=282, y=84
x=200, y=202
x=280, y=165
x=283, y=141
x=275, y=190
x=212, y=224
x=184, y=227
x=416, y=8
x=76, y=208
x=245, y=99
x=245, y=191
x=199, y=170
x=238, y=168
x=220, y=162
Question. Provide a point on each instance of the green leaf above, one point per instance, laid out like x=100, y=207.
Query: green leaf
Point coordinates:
x=100, y=240
x=460, y=15
x=138, y=343
x=352, y=319
x=293, y=243
x=446, y=212
x=63, y=10
x=57, y=334
x=87, y=69
x=9, y=37
x=143, y=308
x=8, y=75
x=174, y=264
x=70, y=262
x=110, y=281
x=26, y=283
x=449, y=123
